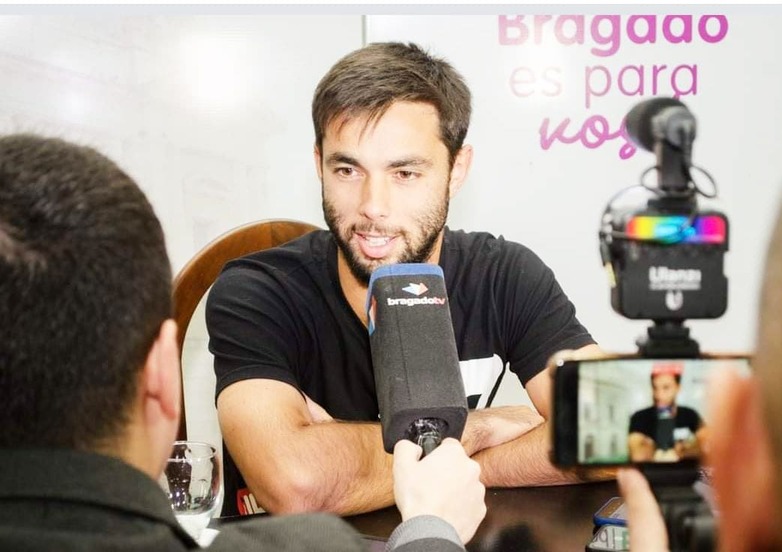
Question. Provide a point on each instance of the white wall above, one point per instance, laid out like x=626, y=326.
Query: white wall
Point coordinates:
x=210, y=114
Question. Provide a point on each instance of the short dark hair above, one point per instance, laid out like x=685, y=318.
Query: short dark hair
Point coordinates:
x=677, y=377
x=368, y=81
x=85, y=284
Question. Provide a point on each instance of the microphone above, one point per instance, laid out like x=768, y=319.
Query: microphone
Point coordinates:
x=666, y=423
x=659, y=119
x=420, y=391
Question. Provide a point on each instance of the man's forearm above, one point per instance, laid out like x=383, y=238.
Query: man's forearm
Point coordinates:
x=335, y=466
x=524, y=462
x=341, y=467
x=521, y=462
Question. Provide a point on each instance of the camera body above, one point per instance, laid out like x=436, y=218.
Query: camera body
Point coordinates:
x=665, y=260
x=669, y=264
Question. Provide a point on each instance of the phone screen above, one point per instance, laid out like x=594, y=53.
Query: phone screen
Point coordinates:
x=633, y=410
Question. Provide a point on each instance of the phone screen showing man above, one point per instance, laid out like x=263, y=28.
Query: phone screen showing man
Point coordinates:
x=644, y=410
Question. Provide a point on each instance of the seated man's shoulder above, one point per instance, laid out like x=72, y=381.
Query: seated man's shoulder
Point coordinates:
x=688, y=413
x=478, y=242
x=303, y=255
x=493, y=253
x=644, y=413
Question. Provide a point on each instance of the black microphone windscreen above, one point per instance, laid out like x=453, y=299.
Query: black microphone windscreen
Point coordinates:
x=414, y=356
x=638, y=121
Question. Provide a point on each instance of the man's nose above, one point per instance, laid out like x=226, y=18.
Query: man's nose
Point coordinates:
x=375, y=198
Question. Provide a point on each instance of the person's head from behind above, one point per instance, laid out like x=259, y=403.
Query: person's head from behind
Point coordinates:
x=86, y=352
x=390, y=122
x=746, y=417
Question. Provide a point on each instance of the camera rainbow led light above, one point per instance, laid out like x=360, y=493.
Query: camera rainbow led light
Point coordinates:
x=676, y=229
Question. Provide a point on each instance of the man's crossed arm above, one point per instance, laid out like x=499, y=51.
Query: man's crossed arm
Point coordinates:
x=296, y=458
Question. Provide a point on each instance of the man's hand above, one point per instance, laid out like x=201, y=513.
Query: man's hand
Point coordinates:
x=490, y=427
x=689, y=448
x=446, y=484
x=644, y=520
x=642, y=447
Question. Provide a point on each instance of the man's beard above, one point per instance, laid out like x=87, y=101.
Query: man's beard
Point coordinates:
x=431, y=225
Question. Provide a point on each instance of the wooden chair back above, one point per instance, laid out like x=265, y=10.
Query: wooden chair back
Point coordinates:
x=197, y=276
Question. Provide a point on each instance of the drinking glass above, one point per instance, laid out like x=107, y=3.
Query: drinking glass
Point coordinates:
x=193, y=484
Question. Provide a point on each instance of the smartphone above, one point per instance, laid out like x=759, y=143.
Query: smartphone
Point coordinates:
x=610, y=537
x=611, y=513
x=632, y=410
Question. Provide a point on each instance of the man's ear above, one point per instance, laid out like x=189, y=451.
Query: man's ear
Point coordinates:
x=460, y=170
x=318, y=165
x=162, y=378
x=740, y=453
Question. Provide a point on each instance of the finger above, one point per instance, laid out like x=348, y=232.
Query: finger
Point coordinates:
x=644, y=520
x=451, y=446
x=406, y=453
x=448, y=448
x=451, y=442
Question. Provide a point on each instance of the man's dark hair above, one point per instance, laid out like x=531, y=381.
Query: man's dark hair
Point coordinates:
x=677, y=378
x=368, y=81
x=85, y=284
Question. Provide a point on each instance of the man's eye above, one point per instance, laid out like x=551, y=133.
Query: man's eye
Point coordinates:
x=406, y=175
x=345, y=171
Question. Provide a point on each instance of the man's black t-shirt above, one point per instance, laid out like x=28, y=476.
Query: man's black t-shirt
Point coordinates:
x=666, y=431
x=281, y=314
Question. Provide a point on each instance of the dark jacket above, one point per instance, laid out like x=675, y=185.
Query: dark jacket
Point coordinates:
x=64, y=500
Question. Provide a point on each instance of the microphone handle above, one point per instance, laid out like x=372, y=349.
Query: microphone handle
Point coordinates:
x=429, y=441
x=427, y=433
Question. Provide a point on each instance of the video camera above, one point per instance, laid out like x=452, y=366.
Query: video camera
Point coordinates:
x=665, y=260
x=665, y=263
